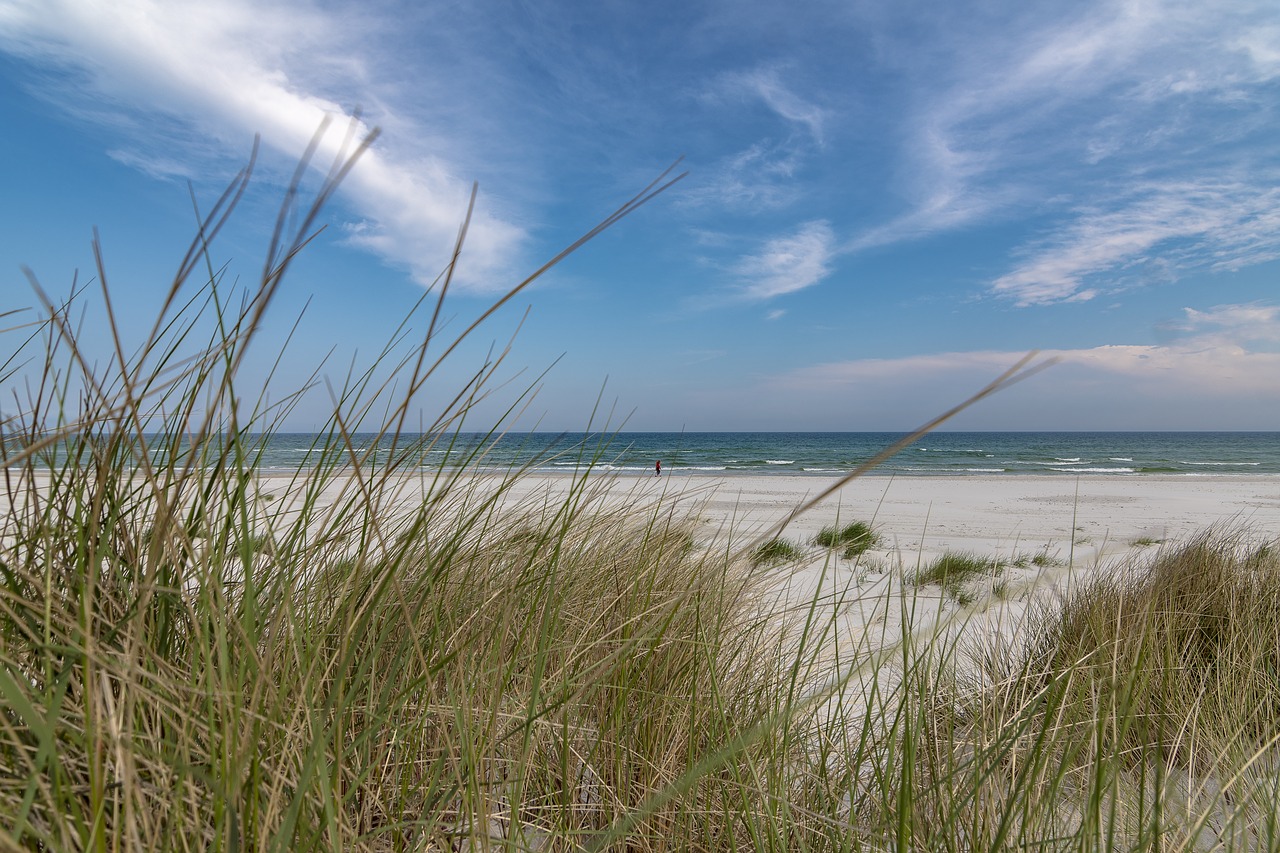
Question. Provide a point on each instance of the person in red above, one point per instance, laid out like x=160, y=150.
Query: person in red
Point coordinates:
x=657, y=469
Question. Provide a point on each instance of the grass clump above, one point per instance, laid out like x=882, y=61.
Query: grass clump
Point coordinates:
x=952, y=571
x=776, y=551
x=1045, y=560
x=1041, y=559
x=1143, y=710
x=1184, y=634
x=855, y=538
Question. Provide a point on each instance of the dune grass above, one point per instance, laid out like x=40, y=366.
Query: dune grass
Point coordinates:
x=776, y=551
x=954, y=571
x=361, y=656
x=1042, y=559
x=1145, y=708
x=855, y=539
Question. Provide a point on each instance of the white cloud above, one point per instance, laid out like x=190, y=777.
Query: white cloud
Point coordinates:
x=758, y=178
x=1078, y=114
x=231, y=68
x=1262, y=45
x=1249, y=324
x=1215, y=356
x=1208, y=224
x=788, y=263
x=766, y=85
x=1260, y=320
x=761, y=176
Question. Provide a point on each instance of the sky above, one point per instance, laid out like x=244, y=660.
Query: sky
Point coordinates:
x=886, y=204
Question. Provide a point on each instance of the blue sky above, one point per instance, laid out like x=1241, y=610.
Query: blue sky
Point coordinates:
x=887, y=202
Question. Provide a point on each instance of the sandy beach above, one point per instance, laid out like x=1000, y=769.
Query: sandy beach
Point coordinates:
x=1084, y=521
x=1086, y=518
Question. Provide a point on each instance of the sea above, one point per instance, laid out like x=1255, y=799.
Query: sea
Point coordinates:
x=821, y=454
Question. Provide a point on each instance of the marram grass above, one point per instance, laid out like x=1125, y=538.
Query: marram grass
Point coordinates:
x=855, y=538
x=361, y=657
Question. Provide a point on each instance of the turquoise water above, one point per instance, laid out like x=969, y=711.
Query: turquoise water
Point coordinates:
x=825, y=454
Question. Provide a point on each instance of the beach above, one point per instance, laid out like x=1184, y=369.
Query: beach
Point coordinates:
x=1089, y=518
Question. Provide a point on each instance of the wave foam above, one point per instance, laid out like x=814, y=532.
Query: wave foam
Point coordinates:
x=1180, y=462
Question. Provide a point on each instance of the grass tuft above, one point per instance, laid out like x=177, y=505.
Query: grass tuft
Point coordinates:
x=855, y=538
x=952, y=571
x=776, y=551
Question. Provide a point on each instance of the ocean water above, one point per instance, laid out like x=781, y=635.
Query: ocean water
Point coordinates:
x=1051, y=454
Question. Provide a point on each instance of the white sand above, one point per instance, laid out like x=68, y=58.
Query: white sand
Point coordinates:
x=1000, y=515
x=1083, y=520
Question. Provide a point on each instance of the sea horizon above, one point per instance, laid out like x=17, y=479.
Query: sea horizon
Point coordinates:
x=960, y=452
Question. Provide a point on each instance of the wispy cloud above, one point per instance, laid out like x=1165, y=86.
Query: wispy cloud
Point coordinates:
x=1163, y=228
x=1217, y=370
x=1215, y=353
x=788, y=263
x=755, y=179
x=1232, y=324
x=1078, y=117
x=1262, y=44
x=766, y=85
x=760, y=176
x=226, y=69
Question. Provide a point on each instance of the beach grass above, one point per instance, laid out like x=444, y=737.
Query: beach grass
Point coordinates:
x=854, y=539
x=954, y=572
x=776, y=551
x=358, y=655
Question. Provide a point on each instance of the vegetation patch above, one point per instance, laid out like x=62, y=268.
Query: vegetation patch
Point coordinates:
x=776, y=551
x=952, y=571
x=854, y=538
x=1045, y=560
x=1151, y=682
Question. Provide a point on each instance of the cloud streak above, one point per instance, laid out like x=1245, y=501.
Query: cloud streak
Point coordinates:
x=788, y=263
x=761, y=175
x=766, y=85
x=1216, y=355
x=226, y=70
x=1180, y=225
x=1078, y=118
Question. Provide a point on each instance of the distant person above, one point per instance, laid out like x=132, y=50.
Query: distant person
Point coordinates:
x=657, y=468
